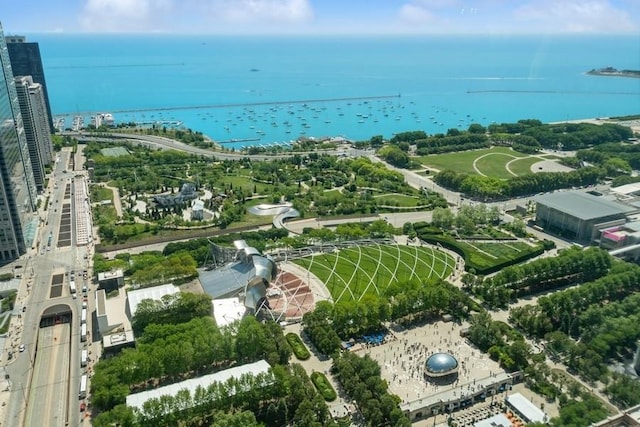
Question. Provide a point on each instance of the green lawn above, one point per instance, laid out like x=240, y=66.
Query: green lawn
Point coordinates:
x=352, y=273
x=487, y=254
x=463, y=161
x=99, y=193
x=523, y=166
x=397, y=200
x=495, y=164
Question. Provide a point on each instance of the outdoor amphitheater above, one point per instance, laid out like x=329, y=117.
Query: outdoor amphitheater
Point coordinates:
x=348, y=271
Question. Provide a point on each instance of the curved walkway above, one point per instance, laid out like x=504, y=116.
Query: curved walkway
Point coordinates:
x=281, y=212
x=475, y=166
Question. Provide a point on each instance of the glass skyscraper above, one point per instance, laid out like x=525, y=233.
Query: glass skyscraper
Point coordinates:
x=17, y=185
x=26, y=61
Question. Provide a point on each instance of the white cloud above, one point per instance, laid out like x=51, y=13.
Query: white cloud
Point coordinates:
x=576, y=16
x=527, y=16
x=263, y=12
x=416, y=14
x=124, y=15
x=194, y=15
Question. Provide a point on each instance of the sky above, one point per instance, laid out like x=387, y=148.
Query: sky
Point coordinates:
x=322, y=16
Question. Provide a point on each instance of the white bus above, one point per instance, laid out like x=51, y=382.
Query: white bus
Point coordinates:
x=83, y=358
x=83, y=387
x=83, y=332
x=83, y=316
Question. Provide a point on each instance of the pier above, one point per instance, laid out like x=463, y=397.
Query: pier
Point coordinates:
x=246, y=104
x=567, y=92
x=234, y=140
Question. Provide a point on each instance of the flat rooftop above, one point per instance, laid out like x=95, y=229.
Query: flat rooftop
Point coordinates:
x=582, y=205
x=455, y=394
x=156, y=293
x=228, y=310
x=110, y=275
x=498, y=420
x=523, y=405
x=137, y=400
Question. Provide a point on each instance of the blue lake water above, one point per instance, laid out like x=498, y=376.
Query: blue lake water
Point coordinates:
x=275, y=89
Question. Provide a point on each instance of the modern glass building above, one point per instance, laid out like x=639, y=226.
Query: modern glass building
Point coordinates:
x=36, y=127
x=26, y=61
x=17, y=186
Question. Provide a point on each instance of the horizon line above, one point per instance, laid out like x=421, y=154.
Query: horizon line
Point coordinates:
x=325, y=34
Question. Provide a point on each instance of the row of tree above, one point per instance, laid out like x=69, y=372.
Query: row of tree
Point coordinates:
x=502, y=342
x=284, y=396
x=439, y=143
x=329, y=323
x=629, y=153
x=604, y=333
x=564, y=136
x=571, y=266
x=150, y=267
x=169, y=352
x=529, y=135
x=201, y=249
x=561, y=310
x=361, y=381
x=170, y=309
x=487, y=188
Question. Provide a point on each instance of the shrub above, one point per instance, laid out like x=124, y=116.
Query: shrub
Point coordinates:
x=324, y=386
x=298, y=347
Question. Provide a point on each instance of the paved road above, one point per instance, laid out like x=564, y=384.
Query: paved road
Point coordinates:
x=39, y=265
x=50, y=383
x=167, y=143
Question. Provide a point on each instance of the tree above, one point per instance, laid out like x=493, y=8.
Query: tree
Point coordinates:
x=175, y=308
x=442, y=218
x=250, y=340
x=477, y=128
x=393, y=155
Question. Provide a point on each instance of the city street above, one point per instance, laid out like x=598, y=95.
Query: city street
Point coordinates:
x=46, y=374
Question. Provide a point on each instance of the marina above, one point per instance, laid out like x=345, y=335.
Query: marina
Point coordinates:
x=345, y=93
x=269, y=124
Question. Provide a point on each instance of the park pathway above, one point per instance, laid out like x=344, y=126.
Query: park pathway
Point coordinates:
x=117, y=204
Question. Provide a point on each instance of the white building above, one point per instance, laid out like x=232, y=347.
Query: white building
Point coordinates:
x=154, y=293
x=137, y=400
x=102, y=119
x=228, y=310
x=525, y=409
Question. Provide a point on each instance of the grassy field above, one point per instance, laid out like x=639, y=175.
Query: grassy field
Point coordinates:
x=463, y=161
x=99, y=193
x=352, y=273
x=397, y=200
x=487, y=253
x=523, y=166
x=490, y=162
x=495, y=164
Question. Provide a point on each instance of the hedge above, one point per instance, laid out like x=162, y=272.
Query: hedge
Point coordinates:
x=298, y=347
x=451, y=244
x=324, y=386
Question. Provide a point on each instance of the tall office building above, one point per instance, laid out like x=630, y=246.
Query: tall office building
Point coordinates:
x=36, y=126
x=26, y=61
x=18, y=224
